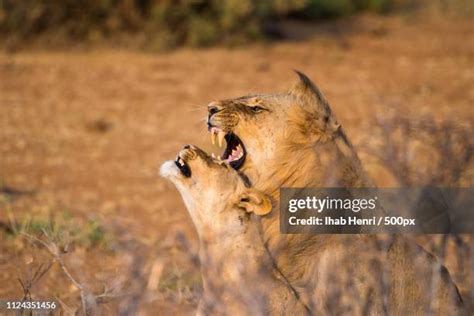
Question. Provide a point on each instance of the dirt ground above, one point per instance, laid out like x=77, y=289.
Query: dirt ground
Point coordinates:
x=82, y=135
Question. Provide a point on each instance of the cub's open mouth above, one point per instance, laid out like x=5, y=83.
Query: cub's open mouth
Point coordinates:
x=183, y=167
x=234, y=153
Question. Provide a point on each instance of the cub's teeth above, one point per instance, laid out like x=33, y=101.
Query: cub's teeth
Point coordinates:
x=220, y=137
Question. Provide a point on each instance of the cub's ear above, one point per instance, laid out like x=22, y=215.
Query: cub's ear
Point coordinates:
x=254, y=201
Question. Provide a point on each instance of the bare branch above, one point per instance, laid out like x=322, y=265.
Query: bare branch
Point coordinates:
x=53, y=249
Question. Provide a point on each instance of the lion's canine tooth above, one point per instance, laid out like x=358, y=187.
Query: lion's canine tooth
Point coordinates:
x=213, y=137
x=213, y=156
x=220, y=137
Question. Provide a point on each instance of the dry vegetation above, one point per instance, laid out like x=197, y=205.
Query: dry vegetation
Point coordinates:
x=84, y=217
x=162, y=24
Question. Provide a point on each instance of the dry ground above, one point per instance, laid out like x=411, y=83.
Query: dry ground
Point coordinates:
x=82, y=135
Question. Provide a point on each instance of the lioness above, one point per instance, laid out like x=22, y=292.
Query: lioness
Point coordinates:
x=238, y=274
x=293, y=139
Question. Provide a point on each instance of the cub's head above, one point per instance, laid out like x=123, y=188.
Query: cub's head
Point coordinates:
x=216, y=195
x=259, y=129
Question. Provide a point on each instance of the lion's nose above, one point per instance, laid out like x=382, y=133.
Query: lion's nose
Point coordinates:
x=213, y=108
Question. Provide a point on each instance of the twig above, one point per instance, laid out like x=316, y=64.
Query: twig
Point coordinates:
x=68, y=310
x=54, y=251
x=28, y=284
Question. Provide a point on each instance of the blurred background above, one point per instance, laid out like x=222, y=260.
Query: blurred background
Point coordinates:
x=95, y=95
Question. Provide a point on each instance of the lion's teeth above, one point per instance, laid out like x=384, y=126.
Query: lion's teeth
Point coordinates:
x=220, y=137
x=213, y=155
x=213, y=137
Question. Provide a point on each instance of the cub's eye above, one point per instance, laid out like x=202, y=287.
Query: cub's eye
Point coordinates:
x=256, y=109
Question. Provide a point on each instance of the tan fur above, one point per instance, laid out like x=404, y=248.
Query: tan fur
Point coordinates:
x=296, y=141
x=238, y=274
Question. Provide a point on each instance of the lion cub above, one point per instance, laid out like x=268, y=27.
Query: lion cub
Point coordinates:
x=239, y=277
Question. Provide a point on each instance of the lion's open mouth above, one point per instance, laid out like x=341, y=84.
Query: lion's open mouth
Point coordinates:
x=234, y=153
x=183, y=167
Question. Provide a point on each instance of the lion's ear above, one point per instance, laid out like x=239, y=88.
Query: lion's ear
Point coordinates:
x=254, y=201
x=310, y=95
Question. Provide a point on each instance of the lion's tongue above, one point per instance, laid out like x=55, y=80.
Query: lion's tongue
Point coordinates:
x=236, y=154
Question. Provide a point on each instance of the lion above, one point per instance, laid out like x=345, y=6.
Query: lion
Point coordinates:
x=293, y=139
x=238, y=274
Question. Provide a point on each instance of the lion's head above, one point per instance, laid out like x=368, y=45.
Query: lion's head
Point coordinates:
x=217, y=196
x=280, y=138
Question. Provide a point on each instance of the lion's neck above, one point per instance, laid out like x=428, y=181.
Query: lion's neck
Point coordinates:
x=330, y=164
x=334, y=163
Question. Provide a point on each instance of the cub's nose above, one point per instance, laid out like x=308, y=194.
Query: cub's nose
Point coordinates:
x=190, y=147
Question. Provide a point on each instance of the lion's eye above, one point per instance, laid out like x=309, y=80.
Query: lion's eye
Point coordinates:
x=256, y=109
